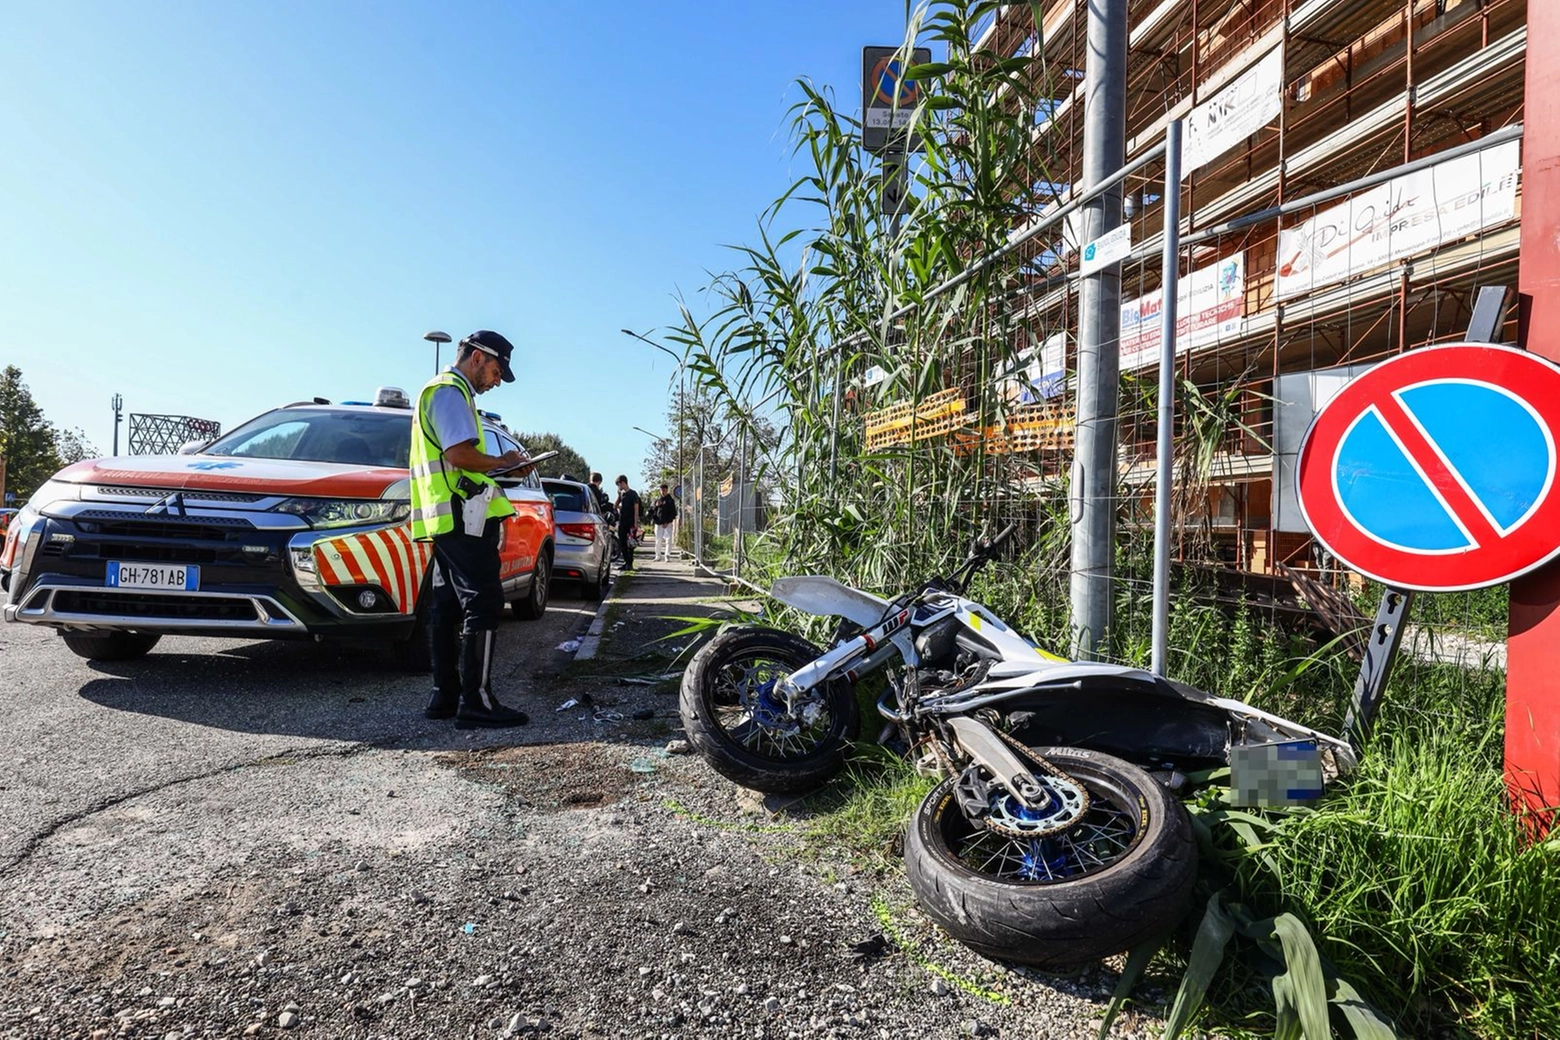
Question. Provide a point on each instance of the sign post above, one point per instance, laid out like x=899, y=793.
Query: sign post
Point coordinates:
x=1533, y=636
x=888, y=100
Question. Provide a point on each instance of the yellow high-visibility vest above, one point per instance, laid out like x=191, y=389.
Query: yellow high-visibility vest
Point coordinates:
x=434, y=481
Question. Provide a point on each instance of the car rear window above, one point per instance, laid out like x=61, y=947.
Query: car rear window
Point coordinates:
x=359, y=438
x=567, y=501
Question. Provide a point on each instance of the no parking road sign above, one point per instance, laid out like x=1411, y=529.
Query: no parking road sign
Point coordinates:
x=889, y=97
x=1436, y=470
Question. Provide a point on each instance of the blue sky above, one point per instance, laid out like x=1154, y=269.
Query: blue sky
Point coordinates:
x=214, y=208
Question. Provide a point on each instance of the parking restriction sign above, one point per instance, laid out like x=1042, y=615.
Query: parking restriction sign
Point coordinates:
x=1436, y=470
x=889, y=97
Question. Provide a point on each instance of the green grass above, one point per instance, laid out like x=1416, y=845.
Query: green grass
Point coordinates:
x=1418, y=884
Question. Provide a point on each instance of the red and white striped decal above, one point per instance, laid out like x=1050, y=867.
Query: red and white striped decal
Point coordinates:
x=387, y=558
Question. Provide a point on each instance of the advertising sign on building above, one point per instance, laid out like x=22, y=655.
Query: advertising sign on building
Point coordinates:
x=1253, y=100
x=1211, y=307
x=1041, y=373
x=1406, y=216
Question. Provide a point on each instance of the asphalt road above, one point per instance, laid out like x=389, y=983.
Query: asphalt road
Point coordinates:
x=81, y=736
x=234, y=839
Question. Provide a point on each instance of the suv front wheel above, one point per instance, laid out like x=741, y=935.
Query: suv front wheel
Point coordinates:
x=110, y=646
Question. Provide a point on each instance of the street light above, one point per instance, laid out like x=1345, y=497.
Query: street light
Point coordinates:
x=118, y=402
x=436, y=338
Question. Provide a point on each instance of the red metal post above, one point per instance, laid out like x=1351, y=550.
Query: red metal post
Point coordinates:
x=1533, y=641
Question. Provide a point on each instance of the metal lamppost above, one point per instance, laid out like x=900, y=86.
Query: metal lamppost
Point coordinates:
x=118, y=402
x=437, y=338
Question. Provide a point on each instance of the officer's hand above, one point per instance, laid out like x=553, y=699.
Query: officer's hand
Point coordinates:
x=510, y=460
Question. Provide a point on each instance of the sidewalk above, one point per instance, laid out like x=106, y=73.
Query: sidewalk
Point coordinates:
x=643, y=608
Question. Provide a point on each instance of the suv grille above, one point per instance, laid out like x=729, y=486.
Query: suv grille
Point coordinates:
x=130, y=604
x=120, y=536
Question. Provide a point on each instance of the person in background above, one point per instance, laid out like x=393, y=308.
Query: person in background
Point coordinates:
x=664, y=513
x=603, y=503
x=457, y=505
x=628, y=519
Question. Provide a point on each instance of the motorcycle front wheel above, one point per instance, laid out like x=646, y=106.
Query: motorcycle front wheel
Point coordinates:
x=1121, y=875
x=734, y=719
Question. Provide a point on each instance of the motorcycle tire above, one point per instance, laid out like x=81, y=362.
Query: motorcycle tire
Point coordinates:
x=1120, y=876
x=717, y=713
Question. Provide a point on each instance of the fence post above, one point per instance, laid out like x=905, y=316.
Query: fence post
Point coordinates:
x=1170, y=289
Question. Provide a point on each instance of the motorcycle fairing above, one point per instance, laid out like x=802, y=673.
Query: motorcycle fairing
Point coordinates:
x=825, y=597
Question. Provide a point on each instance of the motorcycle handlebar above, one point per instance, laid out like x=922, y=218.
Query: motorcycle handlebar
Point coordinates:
x=983, y=552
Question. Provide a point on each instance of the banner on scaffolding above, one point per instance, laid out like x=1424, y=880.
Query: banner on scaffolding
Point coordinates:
x=1406, y=216
x=1040, y=374
x=1252, y=101
x=1211, y=307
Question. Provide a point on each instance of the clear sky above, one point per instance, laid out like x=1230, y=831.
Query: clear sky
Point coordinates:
x=214, y=208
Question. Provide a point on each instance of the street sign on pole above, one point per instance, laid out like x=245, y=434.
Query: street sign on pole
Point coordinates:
x=888, y=98
x=1436, y=470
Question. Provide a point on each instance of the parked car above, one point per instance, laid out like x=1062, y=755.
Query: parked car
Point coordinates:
x=582, y=541
x=5, y=520
x=294, y=525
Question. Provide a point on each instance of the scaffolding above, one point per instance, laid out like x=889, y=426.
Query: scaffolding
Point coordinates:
x=1362, y=87
x=166, y=434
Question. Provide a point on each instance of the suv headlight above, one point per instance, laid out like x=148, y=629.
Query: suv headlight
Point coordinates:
x=347, y=512
x=50, y=492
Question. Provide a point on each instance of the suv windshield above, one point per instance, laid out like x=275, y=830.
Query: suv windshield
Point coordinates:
x=360, y=438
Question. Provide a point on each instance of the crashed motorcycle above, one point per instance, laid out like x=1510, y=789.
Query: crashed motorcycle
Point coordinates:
x=1055, y=836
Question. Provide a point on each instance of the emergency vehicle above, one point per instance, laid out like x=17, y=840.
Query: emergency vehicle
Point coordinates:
x=294, y=525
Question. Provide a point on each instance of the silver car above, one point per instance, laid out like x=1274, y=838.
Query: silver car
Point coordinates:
x=582, y=539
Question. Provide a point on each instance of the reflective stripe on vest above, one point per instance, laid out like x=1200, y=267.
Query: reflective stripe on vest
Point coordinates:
x=433, y=479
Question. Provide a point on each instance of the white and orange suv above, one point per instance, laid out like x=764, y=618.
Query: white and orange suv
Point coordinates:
x=293, y=525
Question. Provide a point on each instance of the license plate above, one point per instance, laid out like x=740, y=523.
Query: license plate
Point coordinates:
x=173, y=577
x=1288, y=772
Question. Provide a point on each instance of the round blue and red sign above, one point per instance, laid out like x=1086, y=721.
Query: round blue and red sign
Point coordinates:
x=888, y=76
x=1436, y=470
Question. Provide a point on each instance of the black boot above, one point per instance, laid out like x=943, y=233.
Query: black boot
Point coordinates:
x=444, y=653
x=442, y=705
x=478, y=707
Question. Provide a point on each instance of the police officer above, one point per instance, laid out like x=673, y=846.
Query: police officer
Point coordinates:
x=458, y=506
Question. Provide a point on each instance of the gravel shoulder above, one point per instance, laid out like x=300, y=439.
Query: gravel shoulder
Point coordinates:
x=238, y=839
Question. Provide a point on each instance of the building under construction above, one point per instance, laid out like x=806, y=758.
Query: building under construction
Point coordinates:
x=1281, y=100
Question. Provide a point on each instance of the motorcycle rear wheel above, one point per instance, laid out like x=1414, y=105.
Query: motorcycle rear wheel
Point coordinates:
x=1120, y=876
x=731, y=720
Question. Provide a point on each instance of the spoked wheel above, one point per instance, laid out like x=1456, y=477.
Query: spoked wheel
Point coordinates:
x=739, y=722
x=1086, y=879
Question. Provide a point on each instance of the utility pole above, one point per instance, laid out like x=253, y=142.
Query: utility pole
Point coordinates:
x=118, y=402
x=1093, y=491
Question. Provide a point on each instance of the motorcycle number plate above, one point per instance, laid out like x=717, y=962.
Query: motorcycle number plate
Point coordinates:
x=1287, y=772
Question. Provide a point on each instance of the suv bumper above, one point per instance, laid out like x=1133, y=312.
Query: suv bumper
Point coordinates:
x=255, y=580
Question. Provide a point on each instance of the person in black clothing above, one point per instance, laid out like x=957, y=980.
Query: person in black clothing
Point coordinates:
x=603, y=503
x=628, y=519
x=662, y=512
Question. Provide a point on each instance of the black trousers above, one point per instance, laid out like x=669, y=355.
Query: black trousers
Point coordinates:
x=626, y=544
x=468, y=598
